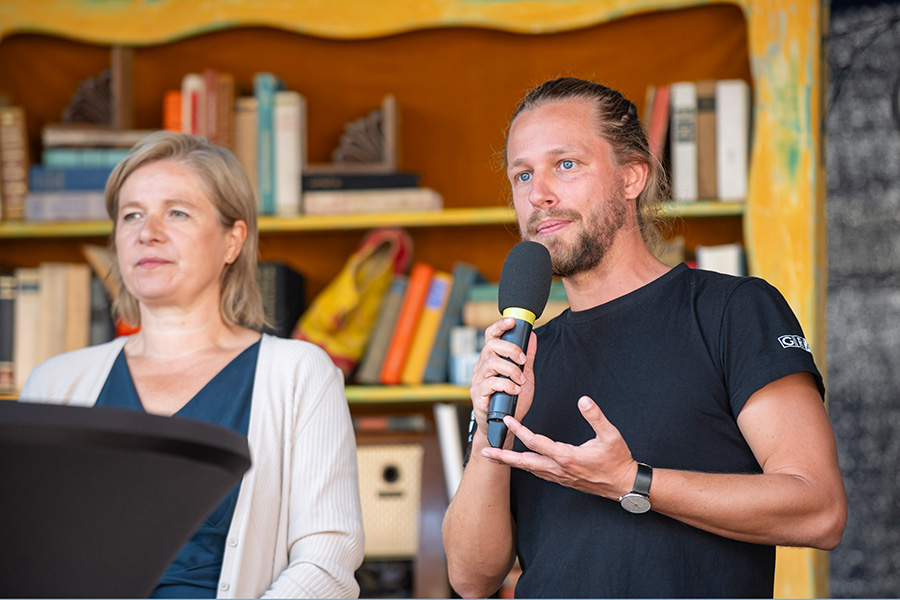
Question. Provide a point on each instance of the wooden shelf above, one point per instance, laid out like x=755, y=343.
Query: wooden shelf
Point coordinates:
x=391, y=394
x=451, y=217
x=380, y=394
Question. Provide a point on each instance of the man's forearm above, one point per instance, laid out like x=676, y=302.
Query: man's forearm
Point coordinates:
x=478, y=531
x=776, y=509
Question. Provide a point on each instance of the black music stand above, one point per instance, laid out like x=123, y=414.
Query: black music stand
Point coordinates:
x=96, y=502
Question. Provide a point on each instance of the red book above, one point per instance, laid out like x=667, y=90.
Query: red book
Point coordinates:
x=416, y=290
x=659, y=121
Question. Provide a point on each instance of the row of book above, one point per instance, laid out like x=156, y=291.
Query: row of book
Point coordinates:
x=705, y=125
x=266, y=131
x=58, y=307
x=431, y=324
x=45, y=311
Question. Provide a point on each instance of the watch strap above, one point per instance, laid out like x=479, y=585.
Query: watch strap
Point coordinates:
x=642, y=480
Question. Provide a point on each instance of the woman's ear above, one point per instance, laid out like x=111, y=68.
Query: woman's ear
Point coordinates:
x=234, y=241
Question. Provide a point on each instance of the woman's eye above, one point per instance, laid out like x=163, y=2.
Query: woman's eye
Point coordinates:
x=130, y=216
x=524, y=177
x=178, y=213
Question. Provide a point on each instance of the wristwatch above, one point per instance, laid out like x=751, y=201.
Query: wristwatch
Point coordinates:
x=638, y=499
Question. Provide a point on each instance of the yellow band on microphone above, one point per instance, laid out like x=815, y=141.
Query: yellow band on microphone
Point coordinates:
x=522, y=314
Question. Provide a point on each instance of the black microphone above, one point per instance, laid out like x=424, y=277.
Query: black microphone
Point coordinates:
x=524, y=289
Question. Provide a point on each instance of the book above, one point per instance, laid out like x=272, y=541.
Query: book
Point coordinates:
x=51, y=327
x=225, y=110
x=683, y=150
x=218, y=107
x=66, y=205
x=427, y=328
x=8, y=286
x=193, y=104
x=335, y=202
x=77, y=306
x=84, y=135
x=413, y=300
x=359, y=181
x=264, y=87
x=210, y=107
x=245, y=131
x=82, y=157
x=27, y=317
x=706, y=139
x=103, y=329
x=659, y=121
x=13, y=162
x=284, y=296
x=464, y=276
x=481, y=310
x=42, y=178
x=722, y=258
x=171, y=111
x=732, y=138
x=465, y=347
x=450, y=434
x=369, y=370
x=289, y=130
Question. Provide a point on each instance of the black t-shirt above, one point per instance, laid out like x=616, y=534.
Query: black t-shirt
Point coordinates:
x=671, y=365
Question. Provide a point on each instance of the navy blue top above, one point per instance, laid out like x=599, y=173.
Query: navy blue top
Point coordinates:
x=195, y=571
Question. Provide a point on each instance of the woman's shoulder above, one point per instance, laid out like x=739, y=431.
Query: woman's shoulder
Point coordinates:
x=70, y=369
x=284, y=350
x=84, y=357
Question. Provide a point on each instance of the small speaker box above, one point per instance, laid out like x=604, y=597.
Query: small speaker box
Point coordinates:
x=390, y=489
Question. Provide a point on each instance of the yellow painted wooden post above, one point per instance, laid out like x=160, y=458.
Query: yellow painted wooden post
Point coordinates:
x=784, y=224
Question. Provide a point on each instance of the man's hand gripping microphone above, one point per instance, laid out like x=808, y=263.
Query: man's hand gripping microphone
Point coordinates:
x=524, y=289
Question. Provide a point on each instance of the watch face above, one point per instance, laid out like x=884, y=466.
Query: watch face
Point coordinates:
x=635, y=503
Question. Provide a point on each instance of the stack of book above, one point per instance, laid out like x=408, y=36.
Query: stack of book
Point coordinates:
x=410, y=343
x=480, y=310
x=707, y=125
x=75, y=163
x=13, y=163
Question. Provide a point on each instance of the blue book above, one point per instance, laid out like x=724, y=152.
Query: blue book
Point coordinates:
x=464, y=277
x=264, y=87
x=83, y=157
x=42, y=178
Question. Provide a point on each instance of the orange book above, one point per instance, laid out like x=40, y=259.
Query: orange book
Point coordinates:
x=426, y=330
x=413, y=301
x=172, y=110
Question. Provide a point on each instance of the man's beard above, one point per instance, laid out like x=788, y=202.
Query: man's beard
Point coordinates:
x=592, y=242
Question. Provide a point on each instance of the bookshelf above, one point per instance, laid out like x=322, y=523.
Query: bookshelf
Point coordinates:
x=457, y=68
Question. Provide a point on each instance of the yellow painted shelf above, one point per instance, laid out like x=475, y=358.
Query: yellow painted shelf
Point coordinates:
x=465, y=217
x=381, y=394
x=386, y=394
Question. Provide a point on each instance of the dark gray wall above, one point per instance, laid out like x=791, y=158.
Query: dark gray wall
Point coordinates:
x=864, y=291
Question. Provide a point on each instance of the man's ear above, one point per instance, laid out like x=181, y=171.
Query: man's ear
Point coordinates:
x=635, y=176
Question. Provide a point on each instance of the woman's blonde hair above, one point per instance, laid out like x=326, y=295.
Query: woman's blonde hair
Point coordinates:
x=226, y=185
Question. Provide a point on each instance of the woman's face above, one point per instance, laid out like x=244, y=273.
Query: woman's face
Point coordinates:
x=170, y=244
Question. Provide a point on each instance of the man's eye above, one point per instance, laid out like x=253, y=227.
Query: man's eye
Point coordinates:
x=568, y=164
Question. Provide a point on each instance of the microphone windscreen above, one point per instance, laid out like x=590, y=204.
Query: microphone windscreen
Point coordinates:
x=526, y=277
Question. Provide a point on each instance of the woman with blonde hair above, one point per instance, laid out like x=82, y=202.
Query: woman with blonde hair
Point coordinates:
x=185, y=238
